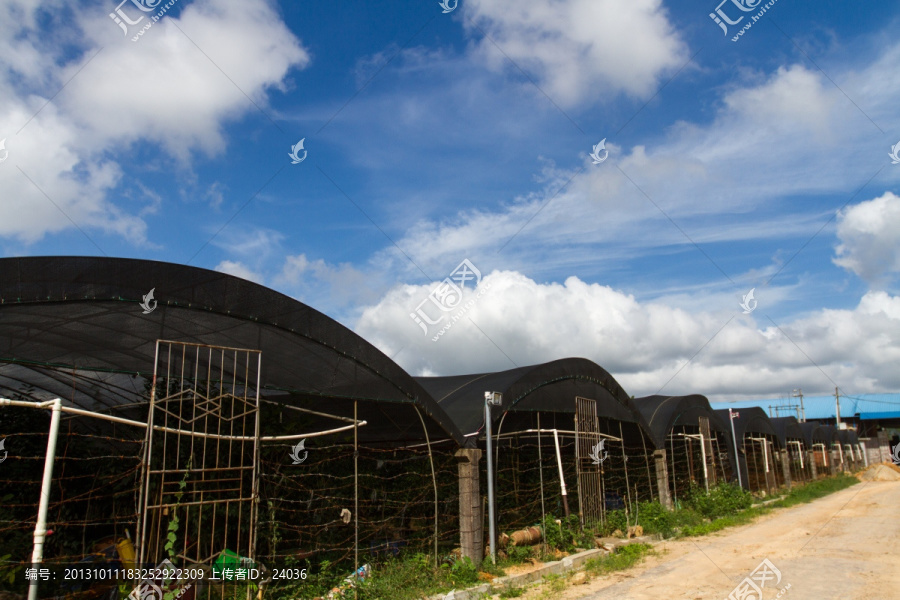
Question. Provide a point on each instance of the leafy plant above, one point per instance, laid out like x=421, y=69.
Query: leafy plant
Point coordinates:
x=519, y=554
x=722, y=500
x=172, y=527
x=564, y=535
x=511, y=591
x=623, y=558
x=655, y=518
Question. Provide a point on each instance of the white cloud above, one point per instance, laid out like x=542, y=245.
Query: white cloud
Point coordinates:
x=241, y=270
x=321, y=284
x=870, y=238
x=580, y=49
x=180, y=83
x=722, y=181
x=161, y=90
x=644, y=345
x=46, y=186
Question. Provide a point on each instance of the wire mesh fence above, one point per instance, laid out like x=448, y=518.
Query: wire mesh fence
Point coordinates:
x=533, y=467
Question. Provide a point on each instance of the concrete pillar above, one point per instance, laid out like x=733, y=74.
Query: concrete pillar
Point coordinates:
x=811, y=458
x=835, y=461
x=471, y=514
x=786, y=467
x=884, y=447
x=662, y=478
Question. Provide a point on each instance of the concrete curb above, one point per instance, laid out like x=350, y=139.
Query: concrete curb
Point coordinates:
x=569, y=563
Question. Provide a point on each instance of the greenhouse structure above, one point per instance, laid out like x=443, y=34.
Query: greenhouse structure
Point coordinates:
x=154, y=413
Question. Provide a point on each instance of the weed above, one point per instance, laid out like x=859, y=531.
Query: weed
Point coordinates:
x=511, y=591
x=623, y=558
x=555, y=582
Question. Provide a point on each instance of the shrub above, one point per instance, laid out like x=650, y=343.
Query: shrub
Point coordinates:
x=519, y=554
x=655, y=518
x=724, y=499
x=615, y=519
x=563, y=535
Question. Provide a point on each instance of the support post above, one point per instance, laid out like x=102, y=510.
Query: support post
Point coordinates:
x=434, y=483
x=355, y=497
x=562, y=479
x=811, y=457
x=662, y=478
x=492, y=532
x=786, y=467
x=737, y=455
x=40, y=528
x=471, y=515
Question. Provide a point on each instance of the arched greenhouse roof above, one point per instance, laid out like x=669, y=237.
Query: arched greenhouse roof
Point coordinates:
x=548, y=387
x=752, y=420
x=787, y=428
x=74, y=328
x=663, y=413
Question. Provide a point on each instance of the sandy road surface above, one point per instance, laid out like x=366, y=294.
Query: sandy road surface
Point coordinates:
x=846, y=545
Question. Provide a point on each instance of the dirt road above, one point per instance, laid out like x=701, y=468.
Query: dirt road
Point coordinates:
x=846, y=545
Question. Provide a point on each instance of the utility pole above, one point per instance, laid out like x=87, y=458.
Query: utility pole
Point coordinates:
x=837, y=406
x=798, y=393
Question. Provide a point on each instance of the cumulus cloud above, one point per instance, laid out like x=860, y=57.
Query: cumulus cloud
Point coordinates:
x=721, y=181
x=319, y=283
x=647, y=346
x=580, y=49
x=241, y=270
x=869, y=233
x=172, y=89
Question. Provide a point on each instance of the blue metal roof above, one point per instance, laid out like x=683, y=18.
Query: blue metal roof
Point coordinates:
x=861, y=406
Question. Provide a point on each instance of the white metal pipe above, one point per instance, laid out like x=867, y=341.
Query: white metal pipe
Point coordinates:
x=274, y=438
x=560, y=431
x=699, y=436
x=40, y=528
x=703, y=455
x=799, y=450
x=765, y=449
x=244, y=438
x=737, y=457
x=824, y=453
x=562, y=481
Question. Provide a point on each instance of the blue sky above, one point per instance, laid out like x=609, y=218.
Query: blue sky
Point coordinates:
x=436, y=137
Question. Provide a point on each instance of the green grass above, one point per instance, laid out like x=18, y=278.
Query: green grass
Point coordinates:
x=511, y=591
x=623, y=558
x=816, y=489
x=414, y=576
x=799, y=494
